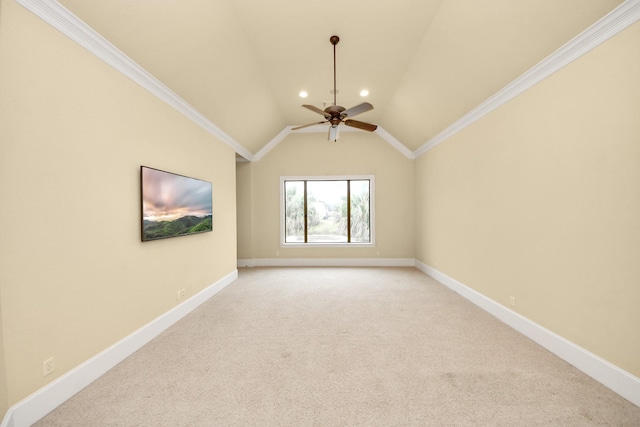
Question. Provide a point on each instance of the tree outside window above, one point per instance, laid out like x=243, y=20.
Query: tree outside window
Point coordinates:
x=327, y=211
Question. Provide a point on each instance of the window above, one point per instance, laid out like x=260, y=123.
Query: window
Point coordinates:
x=327, y=210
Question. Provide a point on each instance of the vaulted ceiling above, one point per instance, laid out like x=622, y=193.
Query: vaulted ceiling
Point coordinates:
x=425, y=63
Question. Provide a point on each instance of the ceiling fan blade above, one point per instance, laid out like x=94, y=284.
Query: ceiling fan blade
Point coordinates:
x=361, y=125
x=333, y=133
x=309, y=124
x=316, y=110
x=358, y=109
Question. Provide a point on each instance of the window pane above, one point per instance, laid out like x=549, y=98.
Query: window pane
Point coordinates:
x=360, y=207
x=327, y=211
x=294, y=211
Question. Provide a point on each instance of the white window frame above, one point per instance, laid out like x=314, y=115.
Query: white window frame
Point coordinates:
x=372, y=210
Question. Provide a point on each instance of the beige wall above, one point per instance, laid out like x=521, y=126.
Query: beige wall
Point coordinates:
x=538, y=200
x=355, y=153
x=74, y=276
x=4, y=397
x=244, y=209
x=541, y=200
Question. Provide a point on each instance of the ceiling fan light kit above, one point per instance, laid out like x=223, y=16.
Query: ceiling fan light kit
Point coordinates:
x=336, y=114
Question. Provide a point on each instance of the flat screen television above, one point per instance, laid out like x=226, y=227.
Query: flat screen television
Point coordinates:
x=174, y=205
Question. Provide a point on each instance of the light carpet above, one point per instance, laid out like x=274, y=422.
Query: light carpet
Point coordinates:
x=342, y=347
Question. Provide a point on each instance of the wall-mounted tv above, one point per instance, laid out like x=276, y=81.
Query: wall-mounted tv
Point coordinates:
x=174, y=205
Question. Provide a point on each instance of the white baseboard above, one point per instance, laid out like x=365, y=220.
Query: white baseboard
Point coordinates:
x=40, y=403
x=620, y=381
x=36, y=406
x=327, y=262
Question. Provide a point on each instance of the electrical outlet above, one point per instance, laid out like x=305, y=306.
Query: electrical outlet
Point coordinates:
x=47, y=366
x=182, y=293
x=512, y=301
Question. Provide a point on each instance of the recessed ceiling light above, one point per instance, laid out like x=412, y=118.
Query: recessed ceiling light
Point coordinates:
x=364, y=92
x=303, y=94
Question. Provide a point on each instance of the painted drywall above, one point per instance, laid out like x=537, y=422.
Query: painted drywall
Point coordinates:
x=74, y=276
x=4, y=398
x=243, y=207
x=355, y=153
x=540, y=200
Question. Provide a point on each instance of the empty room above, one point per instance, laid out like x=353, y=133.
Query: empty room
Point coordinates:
x=422, y=212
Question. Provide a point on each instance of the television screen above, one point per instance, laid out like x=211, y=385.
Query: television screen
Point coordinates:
x=174, y=205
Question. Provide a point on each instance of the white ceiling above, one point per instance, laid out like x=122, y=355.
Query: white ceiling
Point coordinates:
x=426, y=63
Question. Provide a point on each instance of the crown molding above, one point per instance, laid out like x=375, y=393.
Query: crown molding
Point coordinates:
x=63, y=20
x=611, y=24
x=394, y=142
x=272, y=144
x=323, y=129
x=73, y=27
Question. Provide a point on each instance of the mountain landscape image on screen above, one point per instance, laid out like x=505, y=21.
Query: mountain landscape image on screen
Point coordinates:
x=177, y=227
x=174, y=205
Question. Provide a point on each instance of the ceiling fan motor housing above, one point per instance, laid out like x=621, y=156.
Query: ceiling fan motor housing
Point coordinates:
x=334, y=111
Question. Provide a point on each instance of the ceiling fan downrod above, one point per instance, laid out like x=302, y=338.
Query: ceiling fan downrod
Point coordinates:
x=334, y=41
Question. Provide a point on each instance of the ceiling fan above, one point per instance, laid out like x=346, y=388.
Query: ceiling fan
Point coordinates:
x=335, y=114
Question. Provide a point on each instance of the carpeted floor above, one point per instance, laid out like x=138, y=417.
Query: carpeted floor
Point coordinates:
x=342, y=347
